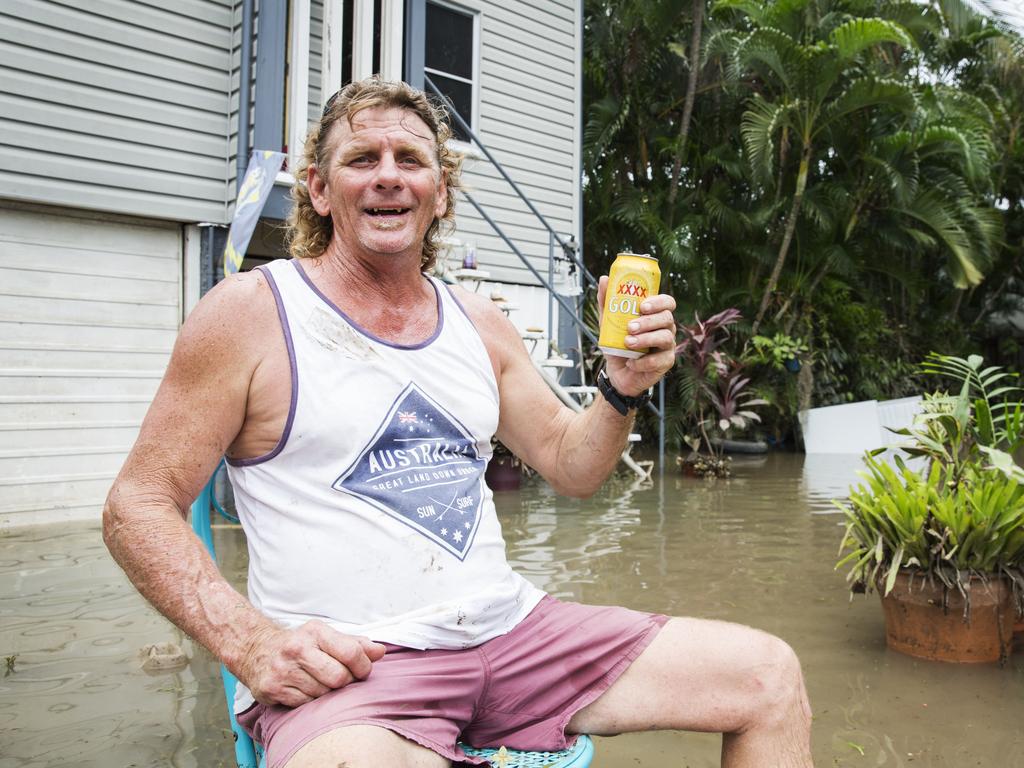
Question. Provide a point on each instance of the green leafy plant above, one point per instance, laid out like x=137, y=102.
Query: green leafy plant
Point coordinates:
x=714, y=386
x=962, y=515
x=775, y=351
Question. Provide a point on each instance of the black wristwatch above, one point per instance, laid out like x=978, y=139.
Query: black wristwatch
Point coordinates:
x=620, y=402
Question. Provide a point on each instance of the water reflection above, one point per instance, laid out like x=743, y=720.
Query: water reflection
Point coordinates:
x=753, y=549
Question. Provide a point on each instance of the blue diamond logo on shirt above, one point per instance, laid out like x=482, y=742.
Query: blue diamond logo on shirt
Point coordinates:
x=422, y=468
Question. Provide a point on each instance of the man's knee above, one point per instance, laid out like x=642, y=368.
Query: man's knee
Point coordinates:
x=776, y=689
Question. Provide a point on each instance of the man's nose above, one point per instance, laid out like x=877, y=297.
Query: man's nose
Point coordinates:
x=388, y=174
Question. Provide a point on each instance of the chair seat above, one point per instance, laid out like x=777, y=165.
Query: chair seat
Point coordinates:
x=577, y=756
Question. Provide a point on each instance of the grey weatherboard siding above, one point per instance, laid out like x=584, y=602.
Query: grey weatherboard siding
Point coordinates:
x=528, y=119
x=117, y=105
x=131, y=108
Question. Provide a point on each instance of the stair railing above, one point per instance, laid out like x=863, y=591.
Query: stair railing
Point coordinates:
x=568, y=250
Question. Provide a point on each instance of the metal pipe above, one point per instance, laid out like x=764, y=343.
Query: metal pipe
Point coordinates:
x=661, y=425
x=244, y=93
x=551, y=282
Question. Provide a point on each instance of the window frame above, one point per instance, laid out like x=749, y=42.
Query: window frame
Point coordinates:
x=464, y=147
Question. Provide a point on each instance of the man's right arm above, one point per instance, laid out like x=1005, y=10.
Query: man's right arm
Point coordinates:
x=198, y=411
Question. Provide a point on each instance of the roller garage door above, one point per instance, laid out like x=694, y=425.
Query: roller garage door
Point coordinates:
x=89, y=310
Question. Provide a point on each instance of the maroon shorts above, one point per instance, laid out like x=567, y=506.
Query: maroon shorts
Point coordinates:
x=519, y=690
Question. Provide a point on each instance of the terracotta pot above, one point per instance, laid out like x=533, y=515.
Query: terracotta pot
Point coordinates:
x=917, y=624
x=503, y=474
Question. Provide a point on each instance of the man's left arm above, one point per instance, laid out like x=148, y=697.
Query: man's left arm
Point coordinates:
x=575, y=452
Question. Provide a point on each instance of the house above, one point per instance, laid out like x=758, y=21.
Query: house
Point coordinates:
x=124, y=131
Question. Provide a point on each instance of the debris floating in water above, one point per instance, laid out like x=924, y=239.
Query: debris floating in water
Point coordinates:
x=162, y=657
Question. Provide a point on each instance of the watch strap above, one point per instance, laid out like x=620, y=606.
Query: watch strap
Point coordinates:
x=620, y=402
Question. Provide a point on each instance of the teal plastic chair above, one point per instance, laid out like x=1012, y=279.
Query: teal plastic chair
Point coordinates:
x=248, y=754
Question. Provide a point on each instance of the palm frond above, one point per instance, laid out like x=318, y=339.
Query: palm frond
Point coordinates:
x=768, y=50
x=869, y=92
x=757, y=130
x=941, y=218
x=858, y=34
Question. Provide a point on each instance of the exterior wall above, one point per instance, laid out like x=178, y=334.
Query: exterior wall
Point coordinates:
x=118, y=120
x=90, y=312
x=236, y=57
x=115, y=105
x=316, y=47
x=529, y=122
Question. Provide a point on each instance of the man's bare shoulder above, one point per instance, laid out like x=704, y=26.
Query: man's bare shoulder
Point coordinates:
x=238, y=299
x=232, y=319
x=488, y=319
x=503, y=343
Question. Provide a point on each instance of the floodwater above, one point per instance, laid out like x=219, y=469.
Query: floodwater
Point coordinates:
x=757, y=549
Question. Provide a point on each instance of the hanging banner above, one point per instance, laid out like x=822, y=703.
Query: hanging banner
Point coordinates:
x=252, y=195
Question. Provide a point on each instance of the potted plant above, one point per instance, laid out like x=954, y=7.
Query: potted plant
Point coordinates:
x=713, y=393
x=504, y=470
x=942, y=538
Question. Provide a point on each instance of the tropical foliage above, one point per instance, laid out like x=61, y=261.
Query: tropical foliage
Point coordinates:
x=960, y=515
x=847, y=173
x=713, y=396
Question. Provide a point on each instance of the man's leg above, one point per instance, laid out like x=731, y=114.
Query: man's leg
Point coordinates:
x=712, y=676
x=364, y=746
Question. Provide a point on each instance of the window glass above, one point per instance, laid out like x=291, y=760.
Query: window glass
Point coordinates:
x=461, y=95
x=449, y=44
x=449, y=59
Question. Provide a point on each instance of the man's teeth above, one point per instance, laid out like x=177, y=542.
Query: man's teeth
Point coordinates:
x=380, y=211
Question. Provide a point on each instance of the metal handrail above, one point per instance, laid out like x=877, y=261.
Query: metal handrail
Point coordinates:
x=565, y=305
x=568, y=250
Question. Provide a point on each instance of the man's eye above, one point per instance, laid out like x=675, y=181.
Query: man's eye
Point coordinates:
x=411, y=161
x=361, y=160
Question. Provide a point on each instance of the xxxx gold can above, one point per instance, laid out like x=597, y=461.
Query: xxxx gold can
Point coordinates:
x=633, y=278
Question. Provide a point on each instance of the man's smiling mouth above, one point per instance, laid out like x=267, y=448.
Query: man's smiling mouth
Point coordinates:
x=386, y=211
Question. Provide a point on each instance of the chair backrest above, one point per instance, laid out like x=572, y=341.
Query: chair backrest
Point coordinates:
x=247, y=753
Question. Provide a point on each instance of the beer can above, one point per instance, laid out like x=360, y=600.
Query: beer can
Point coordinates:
x=633, y=278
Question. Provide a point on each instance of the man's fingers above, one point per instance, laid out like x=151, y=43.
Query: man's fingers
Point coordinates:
x=346, y=649
x=289, y=696
x=375, y=651
x=327, y=670
x=657, y=340
x=293, y=666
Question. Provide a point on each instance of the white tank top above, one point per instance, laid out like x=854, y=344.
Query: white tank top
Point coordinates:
x=372, y=514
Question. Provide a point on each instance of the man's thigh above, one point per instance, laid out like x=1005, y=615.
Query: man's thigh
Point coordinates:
x=364, y=746
x=696, y=675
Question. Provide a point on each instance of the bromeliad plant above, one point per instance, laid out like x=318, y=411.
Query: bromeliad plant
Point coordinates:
x=962, y=515
x=713, y=390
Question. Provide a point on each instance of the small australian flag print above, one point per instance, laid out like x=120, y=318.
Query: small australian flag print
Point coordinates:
x=421, y=467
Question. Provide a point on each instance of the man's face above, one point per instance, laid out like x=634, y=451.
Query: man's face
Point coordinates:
x=383, y=186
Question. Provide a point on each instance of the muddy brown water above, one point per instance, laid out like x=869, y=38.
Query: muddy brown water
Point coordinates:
x=757, y=549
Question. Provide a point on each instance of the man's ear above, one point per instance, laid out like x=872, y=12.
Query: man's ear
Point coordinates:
x=442, y=197
x=317, y=186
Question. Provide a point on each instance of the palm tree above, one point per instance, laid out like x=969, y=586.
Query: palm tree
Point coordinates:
x=810, y=75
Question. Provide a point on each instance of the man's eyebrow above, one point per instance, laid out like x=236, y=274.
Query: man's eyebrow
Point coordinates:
x=355, y=148
x=403, y=148
x=414, y=149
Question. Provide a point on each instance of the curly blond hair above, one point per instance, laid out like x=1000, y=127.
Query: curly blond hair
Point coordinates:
x=308, y=231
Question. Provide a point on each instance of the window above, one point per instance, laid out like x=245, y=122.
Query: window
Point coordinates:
x=449, y=59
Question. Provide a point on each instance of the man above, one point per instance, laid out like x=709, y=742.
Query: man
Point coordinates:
x=356, y=410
